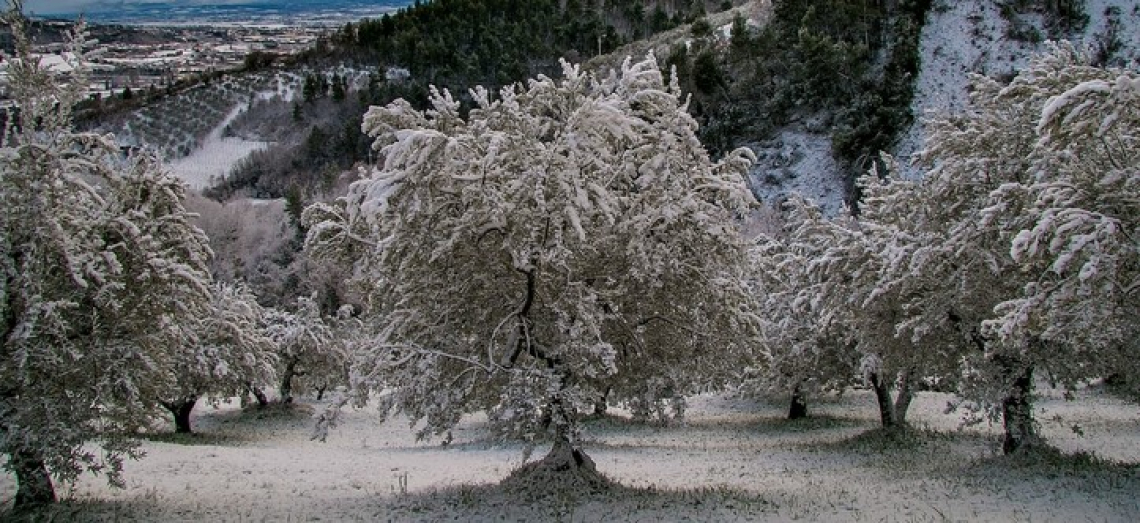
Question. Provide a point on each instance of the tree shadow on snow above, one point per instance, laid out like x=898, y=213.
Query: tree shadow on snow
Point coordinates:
x=522, y=498
x=1043, y=461
x=85, y=510
x=273, y=415
x=196, y=438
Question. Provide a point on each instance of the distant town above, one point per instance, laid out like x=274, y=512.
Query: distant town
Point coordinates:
x=124, y=60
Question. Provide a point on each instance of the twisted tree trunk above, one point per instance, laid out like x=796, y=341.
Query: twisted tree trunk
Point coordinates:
x=1017, y=410
x=35, y=488
x=883, y=397
x=904, y=397
x=262, y=399
x=286, y=390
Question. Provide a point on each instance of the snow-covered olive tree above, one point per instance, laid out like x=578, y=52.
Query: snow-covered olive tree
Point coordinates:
x=306, y=347
x=100, y=273
x=831, y=314
x=803, y=352
x=1075, y=223
x=1023, y=214
x=566, y=237
x=230, y=351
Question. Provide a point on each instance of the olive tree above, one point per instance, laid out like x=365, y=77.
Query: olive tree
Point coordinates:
x=565, y=237
x=101, y=272
x=231, y=349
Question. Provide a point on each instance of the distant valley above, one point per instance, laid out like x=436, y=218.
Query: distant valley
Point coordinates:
x=221, y=12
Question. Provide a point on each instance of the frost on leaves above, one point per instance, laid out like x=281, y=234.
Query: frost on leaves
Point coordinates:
x=1077, y=236
x=230, y=352
x=101, y=275
x=563, y=239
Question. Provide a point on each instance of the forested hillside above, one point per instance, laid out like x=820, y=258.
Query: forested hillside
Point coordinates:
x=451, y=44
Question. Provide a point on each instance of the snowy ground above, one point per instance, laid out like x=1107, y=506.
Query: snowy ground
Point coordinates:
x=734, y=460
x=212, y=161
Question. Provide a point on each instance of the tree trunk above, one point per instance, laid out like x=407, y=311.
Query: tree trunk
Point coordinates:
x=262, y=400
x=600, y=405
x=798, y=409
x=565, y=456
x=883, y=396
x=35, y=488
x=181, y=411
x=286, y=389
x=1017, y=411
x=905, y=395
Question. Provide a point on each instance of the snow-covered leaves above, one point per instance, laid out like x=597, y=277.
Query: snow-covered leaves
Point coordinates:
x=563, y=238
x=307, y=346
x=101, y=279
x=1076, y=234
x=1016, y=251
x=231, y=349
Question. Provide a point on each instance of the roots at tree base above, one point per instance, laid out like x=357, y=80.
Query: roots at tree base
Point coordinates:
x=566, y=469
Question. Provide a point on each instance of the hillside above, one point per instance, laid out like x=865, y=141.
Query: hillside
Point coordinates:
x=816, y=97
x=816, y=89
x=974, y=36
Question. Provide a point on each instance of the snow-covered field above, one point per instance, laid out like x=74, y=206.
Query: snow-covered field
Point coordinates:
x=733, y=460
x=218, y=154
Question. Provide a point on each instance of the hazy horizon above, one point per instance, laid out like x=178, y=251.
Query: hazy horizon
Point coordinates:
x=195, y=11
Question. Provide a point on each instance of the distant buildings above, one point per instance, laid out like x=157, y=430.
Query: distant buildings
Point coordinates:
x=142, y=58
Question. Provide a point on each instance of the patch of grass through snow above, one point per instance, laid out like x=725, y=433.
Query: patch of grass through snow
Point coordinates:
x=810, y=424
x=72, y=510
x=1051, y=462
x=270, y=415
x=566, y=501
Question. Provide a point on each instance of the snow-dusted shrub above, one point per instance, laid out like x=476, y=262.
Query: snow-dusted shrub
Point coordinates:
x=564, y=238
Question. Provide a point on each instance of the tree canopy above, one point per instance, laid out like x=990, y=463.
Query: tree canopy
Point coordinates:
x=101, y=277
x=564, y=238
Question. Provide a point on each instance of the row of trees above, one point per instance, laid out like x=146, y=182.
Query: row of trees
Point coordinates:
x=496, y=42
x=1015, y=256
x=571, y=240
x=848, y=64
